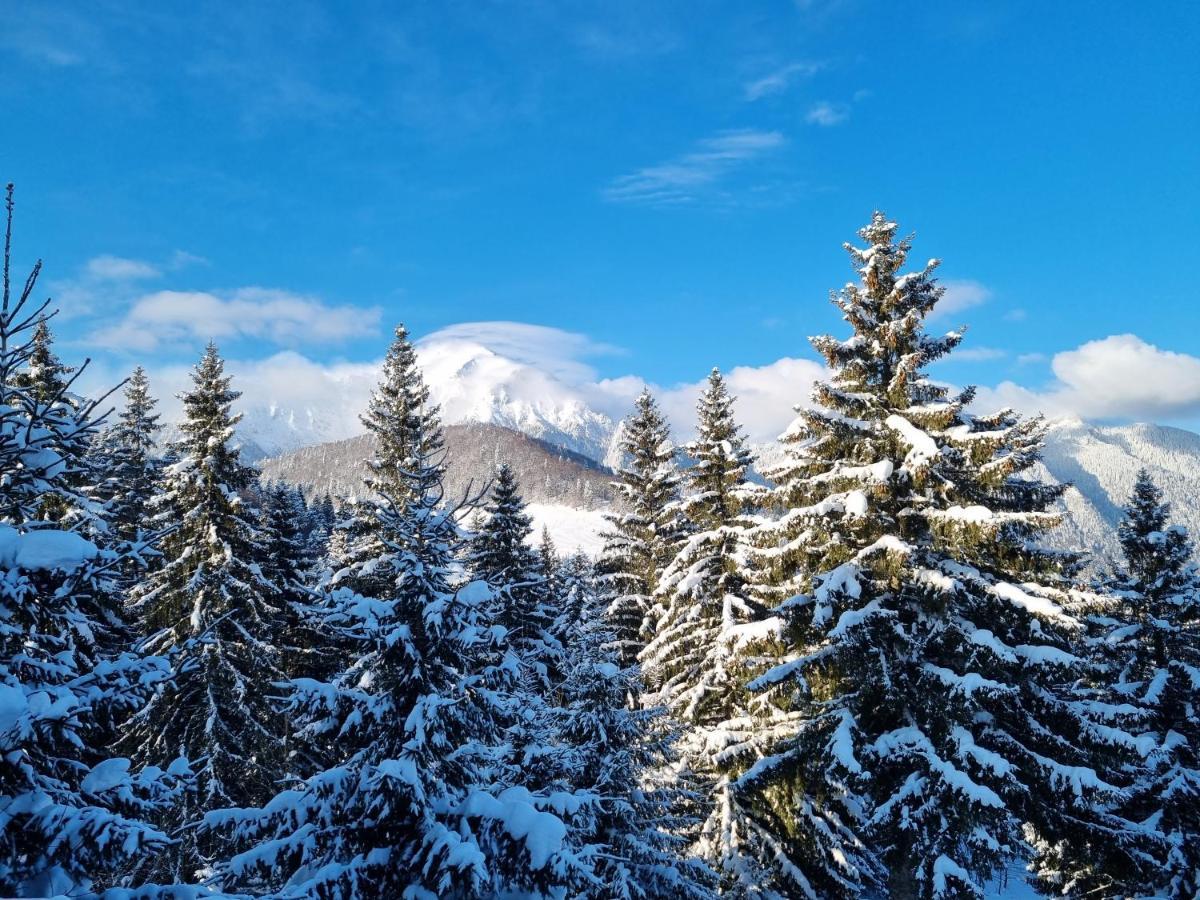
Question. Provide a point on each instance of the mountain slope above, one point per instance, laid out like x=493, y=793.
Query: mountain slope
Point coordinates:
x=548, y=474
x=499, y=407
x=1102, y=462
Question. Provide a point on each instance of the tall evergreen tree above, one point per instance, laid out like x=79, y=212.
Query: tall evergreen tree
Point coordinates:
x=70, y=818
x=633, y=819
x=643, y=539
x=501, y=556
x=210, y=608
x=48, y=381
x=285, y=560
x=549, y=561
x=408, y=435
x=126, y=451
x=1150, y=644
x=44, y=375
x=702, y=593
x=920, y=719
x=408, y=808
x=405, y=421
x=695, y=664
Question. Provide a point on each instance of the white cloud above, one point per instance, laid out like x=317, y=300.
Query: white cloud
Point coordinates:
x=542, y=372
x=285, y=319
x=1028, y=359
x=181, y=259
x=961, y=294
x=559, y=352
x=766, y=397
x=117, y=268
x=106, y=281
x=780, y=80
x=688, y=177
x=979, y=354
x=827, y=114
x=1118, y=377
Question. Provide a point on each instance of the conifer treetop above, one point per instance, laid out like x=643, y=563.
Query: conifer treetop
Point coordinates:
x=403, y=418
x=906, y=565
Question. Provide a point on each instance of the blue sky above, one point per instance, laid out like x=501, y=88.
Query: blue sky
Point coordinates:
x=673, y=180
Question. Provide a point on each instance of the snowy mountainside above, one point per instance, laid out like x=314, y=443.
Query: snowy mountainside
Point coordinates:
x=471, y=382
x=566, y=492
x=1102, y=462
x=489, y=400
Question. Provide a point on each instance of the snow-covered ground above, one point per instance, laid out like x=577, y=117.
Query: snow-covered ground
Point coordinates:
x=573, y=529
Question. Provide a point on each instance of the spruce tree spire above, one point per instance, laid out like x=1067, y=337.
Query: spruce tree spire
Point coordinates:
x=703, y=592
x=126, y=451
x=643, y=538
x=501, y=556
x=408, y=442
x=403, y=419
x=44, y=372
x=407, y=808
x=917, y=714
x=1157, y=557
x=211, y=609
x=696, y=663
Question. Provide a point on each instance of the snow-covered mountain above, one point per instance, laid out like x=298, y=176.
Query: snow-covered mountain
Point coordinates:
x=1101, y=462
x=472, y=382
x=478, y=381
x=571, y=493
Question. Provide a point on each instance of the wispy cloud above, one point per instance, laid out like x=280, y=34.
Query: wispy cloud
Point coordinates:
x=827, y=114
x=780, y=80
x=562, y=353
x=608, y=42
x=961, y=294
x=118, y=268
x=50, y=36
x=689, y=177
x=167, y=318
x=979, y=354
x=107, y=281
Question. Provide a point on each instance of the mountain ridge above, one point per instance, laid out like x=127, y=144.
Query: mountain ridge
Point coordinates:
x=1100, y=462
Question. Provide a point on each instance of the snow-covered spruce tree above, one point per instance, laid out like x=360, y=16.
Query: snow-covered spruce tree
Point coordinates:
x=126, y=453
x=500, y=555
x=1151, y=647
x=576, y=589
x=928, y=637
x=210, y=609
x=405, y=422
x=633, y=820
x=48, y=380
x=550, y=563
x=408, y=809
x=69, y=817
x=404, y=419
x=285, y=561
x=642, y=539
x=695, y=665
x=45, y=375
